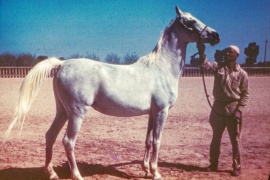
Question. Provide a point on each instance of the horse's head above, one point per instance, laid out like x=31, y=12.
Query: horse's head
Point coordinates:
x=195, y=28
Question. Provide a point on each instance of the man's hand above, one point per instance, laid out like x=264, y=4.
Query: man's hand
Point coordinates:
x=237, y=114
x=238, y=120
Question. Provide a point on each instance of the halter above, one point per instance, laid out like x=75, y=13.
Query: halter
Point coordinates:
x=203, y=29
x=180, y=20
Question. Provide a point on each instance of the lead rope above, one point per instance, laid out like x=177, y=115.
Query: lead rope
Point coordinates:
x=207, y=96
x=204, y=86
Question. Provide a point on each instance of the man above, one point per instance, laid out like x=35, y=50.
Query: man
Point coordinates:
x=230, y=98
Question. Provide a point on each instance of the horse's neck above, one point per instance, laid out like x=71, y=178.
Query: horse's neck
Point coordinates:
x=171, y=52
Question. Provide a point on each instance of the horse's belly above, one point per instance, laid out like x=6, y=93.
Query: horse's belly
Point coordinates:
x=120, y=108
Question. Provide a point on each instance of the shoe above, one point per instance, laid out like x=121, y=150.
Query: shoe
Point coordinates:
x=236, y=172
x=212, y=168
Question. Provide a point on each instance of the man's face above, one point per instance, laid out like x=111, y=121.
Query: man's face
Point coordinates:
x=230, y=55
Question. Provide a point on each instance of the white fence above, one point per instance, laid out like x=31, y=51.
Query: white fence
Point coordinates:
x=252, y=71
x=20, y=72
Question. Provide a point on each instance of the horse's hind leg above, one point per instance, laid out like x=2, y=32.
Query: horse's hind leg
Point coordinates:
x=51, y=135
x=75, y=119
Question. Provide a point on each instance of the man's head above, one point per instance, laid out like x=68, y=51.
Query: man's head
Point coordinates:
x=231, y=53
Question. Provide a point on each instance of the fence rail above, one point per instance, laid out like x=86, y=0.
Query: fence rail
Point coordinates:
x=20, y=72
x=257, y=71
x=252, y=71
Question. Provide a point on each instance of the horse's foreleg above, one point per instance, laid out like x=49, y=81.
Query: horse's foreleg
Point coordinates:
x=51, y=135
x=159, y=121
x=74, y=125
x=148, y=144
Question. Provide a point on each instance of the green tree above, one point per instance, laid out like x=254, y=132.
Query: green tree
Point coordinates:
x=194, y=61
x=7, y=59
x=26, y=60
x=112, y=58
x=75, y=56
x=251, y=52
x=40, y=58
x=92, y=56
x=130, y=58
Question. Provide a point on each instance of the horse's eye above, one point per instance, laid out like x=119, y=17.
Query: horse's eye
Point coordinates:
x=190, y=23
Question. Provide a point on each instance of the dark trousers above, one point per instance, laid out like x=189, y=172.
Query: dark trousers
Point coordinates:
x=218, y=125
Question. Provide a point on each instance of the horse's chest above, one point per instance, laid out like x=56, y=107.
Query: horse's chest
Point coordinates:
x=172, y=98
x=165, y=98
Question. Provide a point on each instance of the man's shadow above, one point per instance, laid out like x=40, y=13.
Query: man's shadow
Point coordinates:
x=187, y=168
x=86, y=170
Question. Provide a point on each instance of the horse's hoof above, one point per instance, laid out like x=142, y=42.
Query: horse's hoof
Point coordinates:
x=77, y=178
x=54, y=177
x=157, y=177
x=148, y=175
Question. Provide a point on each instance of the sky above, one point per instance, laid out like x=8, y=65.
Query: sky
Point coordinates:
x=62, y=28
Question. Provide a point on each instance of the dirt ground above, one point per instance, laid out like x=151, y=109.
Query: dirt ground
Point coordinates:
x=113, y=148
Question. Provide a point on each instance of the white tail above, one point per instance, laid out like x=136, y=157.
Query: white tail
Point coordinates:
x=29, y=89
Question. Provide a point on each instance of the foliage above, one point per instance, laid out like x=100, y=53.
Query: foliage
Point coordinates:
x=130, y=58
x=251, y=52
x=113, y=59
x=75, y=56
x=7, y=59
x=250, y=61
x=25, y=60
x=92, y=56
x=40, y=58
x=194, y=62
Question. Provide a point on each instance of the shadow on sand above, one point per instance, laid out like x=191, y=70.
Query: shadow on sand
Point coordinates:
x=86, y=170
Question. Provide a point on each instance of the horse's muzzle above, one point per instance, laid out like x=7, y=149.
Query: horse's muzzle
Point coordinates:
x=215, y=39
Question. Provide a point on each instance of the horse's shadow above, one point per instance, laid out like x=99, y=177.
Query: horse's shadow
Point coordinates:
x=86, y=170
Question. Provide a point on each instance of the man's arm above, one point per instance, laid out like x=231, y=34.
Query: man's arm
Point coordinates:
x=206, y=65
x=209, y=66
x=244, y=93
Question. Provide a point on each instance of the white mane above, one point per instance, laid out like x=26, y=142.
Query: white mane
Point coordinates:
x=152, y=57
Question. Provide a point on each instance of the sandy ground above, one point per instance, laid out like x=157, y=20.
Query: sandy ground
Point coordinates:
x=112, y=148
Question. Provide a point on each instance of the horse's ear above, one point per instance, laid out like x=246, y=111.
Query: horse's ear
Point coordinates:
x=178, y=11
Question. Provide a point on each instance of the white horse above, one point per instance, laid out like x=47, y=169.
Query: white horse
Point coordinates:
x=149, y=86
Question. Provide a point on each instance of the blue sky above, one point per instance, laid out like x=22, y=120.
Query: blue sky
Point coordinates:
x=65, y=27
